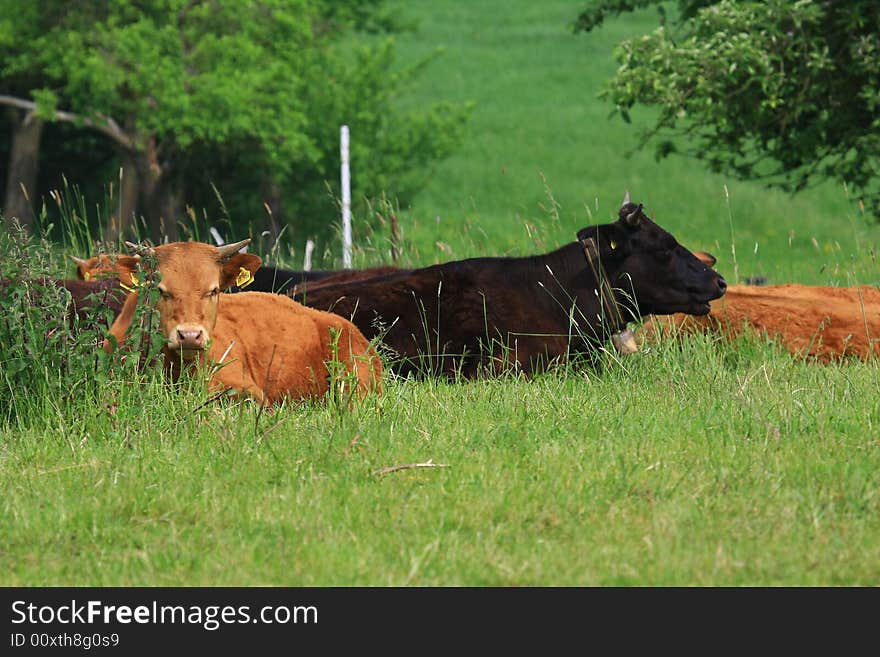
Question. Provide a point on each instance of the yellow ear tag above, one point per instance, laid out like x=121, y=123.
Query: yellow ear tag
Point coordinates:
x=613, y=245
x=245, y=277
x=87, y=276
x=135, y=283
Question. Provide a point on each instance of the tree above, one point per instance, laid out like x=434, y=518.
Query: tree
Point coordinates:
x=179, y=86
x=22, y=27
x=787, y=91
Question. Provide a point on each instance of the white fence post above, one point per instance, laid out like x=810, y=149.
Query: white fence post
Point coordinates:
x=307, y=258
x=216, y=235
x=346, y=198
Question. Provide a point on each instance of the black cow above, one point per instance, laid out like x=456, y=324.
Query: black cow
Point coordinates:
x=483, y=315
x=275, y=279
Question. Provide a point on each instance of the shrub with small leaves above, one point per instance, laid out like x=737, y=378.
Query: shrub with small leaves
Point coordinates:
x=50, y=355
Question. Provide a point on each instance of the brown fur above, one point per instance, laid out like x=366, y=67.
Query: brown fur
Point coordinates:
x=104, y=266
x=811, y=321
x=279, y=348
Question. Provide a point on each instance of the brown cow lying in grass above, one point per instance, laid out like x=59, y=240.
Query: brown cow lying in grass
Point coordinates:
x=269, y=346
x=810, y=321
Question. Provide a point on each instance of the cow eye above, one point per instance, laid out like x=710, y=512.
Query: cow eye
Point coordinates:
x=166, y=296
x=214, y=292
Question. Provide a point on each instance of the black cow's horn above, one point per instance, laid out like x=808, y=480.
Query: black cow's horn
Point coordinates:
x=632, y=218
x=140, y=249
x=229, y=250
x=625, y=198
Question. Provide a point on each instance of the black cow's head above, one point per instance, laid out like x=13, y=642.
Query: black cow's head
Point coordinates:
x=644, y=259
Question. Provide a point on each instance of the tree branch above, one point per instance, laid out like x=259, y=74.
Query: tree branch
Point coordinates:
x=408, y=466
x=109, y=127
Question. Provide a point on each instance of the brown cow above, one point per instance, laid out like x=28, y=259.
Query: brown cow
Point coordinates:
x=810, y=321
x=485, y=314
x=270, y=347
x=100, y=267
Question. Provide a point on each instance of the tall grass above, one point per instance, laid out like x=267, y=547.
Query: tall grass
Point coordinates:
x=696, y=462
x=687, y=465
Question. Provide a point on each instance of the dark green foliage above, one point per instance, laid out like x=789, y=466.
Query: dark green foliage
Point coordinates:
x=49, y=356
x=391, y=150
x=597, y=10
x=783, y=91
x=244, y=99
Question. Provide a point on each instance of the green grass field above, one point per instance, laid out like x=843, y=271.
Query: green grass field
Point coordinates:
x=534, y=84
x=702, y=466
x=702, y=463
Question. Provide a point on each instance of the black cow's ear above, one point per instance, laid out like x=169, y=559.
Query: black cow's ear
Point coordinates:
x=631, y=214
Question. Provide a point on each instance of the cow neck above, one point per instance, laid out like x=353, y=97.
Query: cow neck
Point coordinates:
x=571, y=268
x=610, y=306
x=622, y=338
x=565, y=271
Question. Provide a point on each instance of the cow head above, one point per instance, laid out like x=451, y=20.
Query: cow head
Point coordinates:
x=103, y=266
x=192, y=276
x=643, y=258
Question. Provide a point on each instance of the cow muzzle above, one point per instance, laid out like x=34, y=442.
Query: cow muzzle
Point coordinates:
x=188, y=340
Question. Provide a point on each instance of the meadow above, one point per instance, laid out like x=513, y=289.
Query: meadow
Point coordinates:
x=692, y=463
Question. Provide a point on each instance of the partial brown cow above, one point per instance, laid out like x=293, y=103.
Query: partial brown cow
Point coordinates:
x=104, y=266
x=811, y=321
x=270, y=346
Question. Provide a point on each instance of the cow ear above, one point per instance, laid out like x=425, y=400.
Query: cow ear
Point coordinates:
x=584, y=233
x=706, y=258
x=82, y=266
x=632, y=216
x=125, y=268
x=127, y=262
x=239, y=270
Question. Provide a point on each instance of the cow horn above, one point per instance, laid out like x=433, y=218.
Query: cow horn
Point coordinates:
x=632, y=218
x=79, y=261
x=229, y=250
x=140, y=249
x=626, y=198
